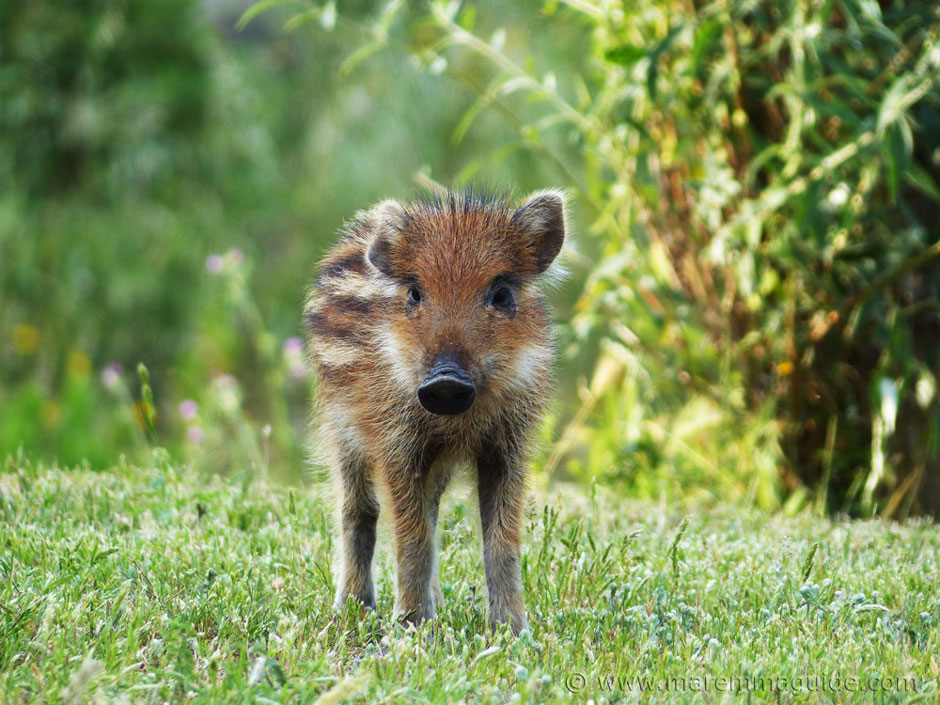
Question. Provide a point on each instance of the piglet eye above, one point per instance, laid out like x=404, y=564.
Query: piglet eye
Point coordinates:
x=414, y=295
x=502, y=299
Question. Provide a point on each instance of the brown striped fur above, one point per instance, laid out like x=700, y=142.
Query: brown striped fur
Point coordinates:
x=372, y=346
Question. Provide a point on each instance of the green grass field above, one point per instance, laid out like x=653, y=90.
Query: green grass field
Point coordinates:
x=153, y=585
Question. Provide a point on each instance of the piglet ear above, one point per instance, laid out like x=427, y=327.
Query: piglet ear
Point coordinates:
x=387, y=219
x=542, y=220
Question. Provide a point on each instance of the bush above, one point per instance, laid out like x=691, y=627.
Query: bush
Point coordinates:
x=760, y=272
x=94, y=91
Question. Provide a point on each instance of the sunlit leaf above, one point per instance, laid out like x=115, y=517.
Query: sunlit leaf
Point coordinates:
x=661, y=48
x=625, y=55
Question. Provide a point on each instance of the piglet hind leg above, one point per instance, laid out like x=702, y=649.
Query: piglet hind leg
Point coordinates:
x=436, y=487
x=501, y=490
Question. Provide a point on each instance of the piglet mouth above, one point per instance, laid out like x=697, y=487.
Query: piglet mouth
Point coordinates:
x=448, y=390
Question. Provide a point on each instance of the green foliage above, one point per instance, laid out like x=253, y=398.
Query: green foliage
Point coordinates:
x=760, y=266
x=92, y=84
x=157, y=585
x=752, y=310
x=179, y=227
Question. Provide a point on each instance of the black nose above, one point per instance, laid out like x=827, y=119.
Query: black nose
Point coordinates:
x=447, y=390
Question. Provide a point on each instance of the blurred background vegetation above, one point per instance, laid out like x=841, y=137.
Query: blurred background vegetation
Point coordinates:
x=753, y=307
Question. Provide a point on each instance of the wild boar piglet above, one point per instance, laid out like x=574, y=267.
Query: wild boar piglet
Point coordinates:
x=433, y=348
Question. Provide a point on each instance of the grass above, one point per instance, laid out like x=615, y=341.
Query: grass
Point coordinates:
x=155, y=585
